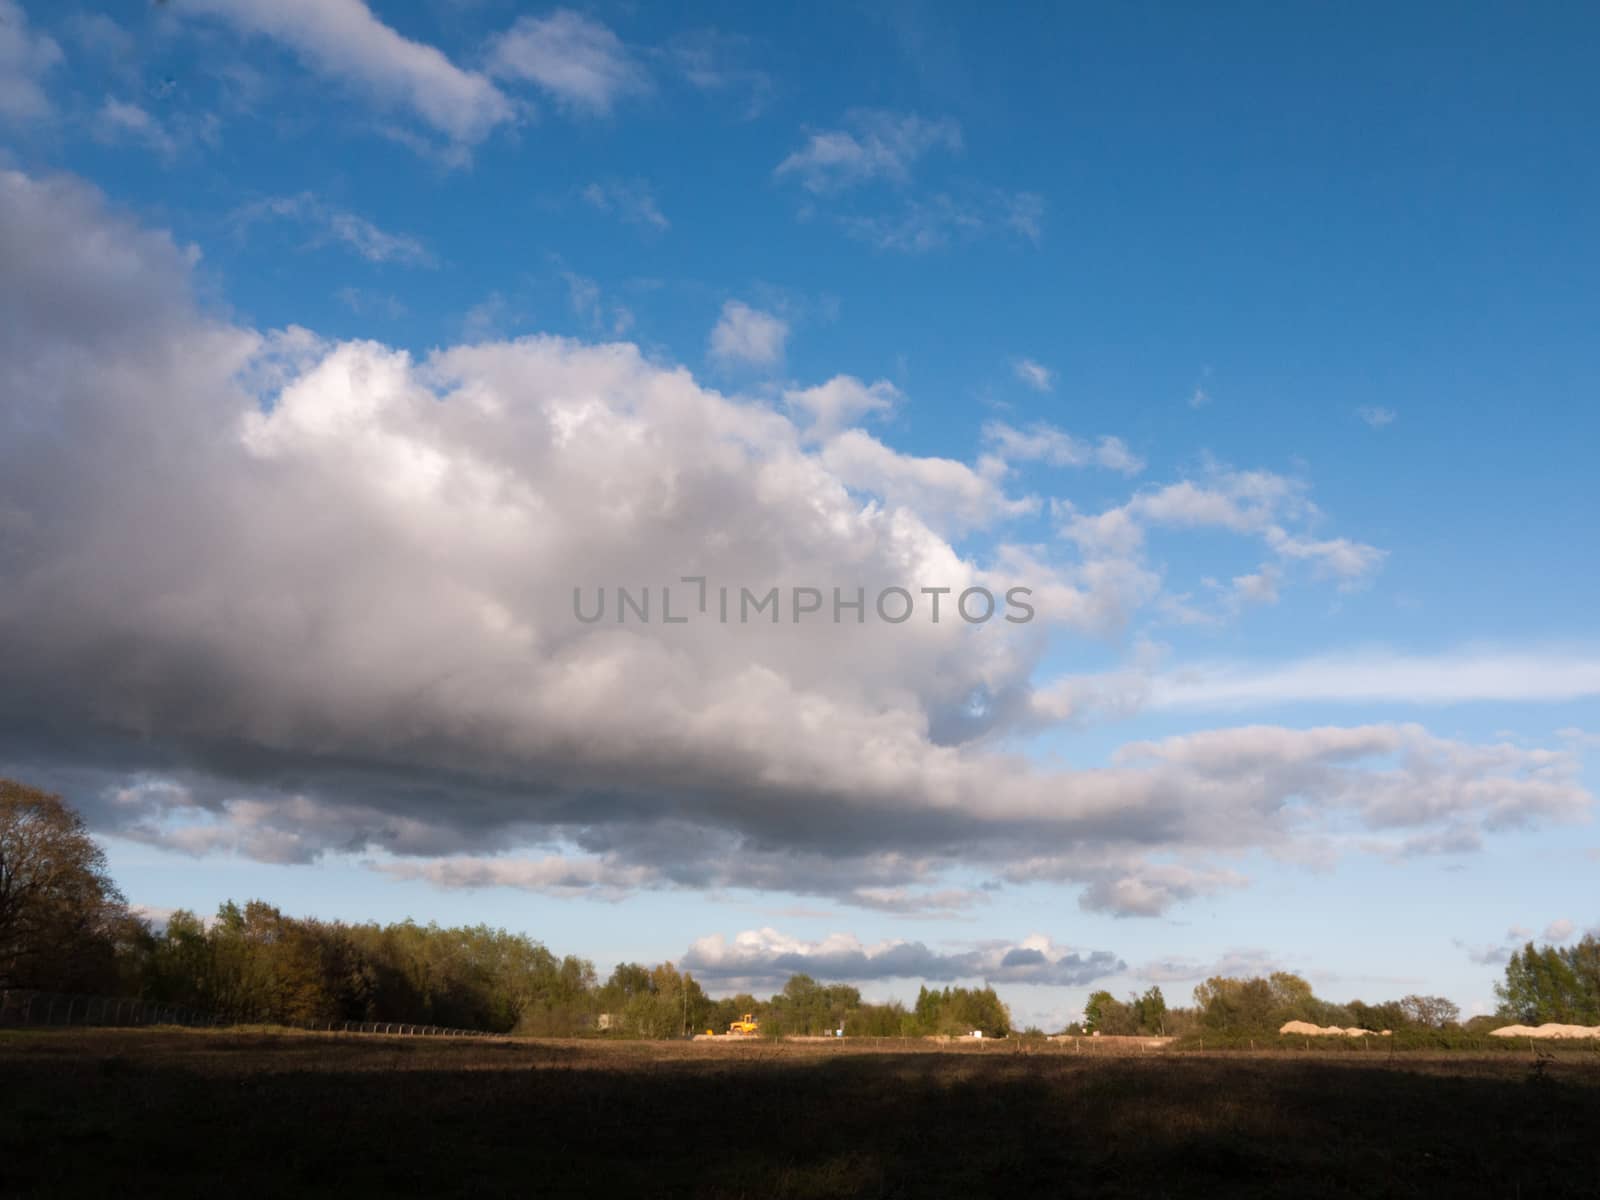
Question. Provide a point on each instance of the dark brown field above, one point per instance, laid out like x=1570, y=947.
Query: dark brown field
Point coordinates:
x=140, y=1112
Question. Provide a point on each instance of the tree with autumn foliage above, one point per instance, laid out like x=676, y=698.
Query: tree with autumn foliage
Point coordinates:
x=61, y=917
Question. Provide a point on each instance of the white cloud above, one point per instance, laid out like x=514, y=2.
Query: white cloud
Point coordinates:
x=575, y=59
x=357, y=634
x=119, y=121
x=1234, y=964
x=366, y=303
x=758, y=959
x=923, y=225
x=1377, y=417
x=840, y=403
x=1037, y=376
x=1251, y=503
x=947, y=494
x=1024, y=214
x=344, y=41
x=554, y=875
x=1338, y=557
x=714, y=62
x=1258, y=587
x=876, y=145
x=1057, y=448
x=633, y=202
x=25, y=59
x=1496, y=954
x=748, y=336
x=330, y=224
x=103, y=38
x=1384, y=676
x=590, y=304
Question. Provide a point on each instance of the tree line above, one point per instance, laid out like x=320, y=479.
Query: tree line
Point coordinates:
x=64, y=926
x=1259, y=1005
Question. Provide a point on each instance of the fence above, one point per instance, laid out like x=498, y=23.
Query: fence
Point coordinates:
x=41, y=1009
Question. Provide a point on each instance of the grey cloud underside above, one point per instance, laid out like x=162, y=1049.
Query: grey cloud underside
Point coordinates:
x=267, y=593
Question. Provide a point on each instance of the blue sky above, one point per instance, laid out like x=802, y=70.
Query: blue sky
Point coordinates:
x=1264, y=338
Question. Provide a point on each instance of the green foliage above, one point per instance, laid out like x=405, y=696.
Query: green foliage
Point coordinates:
x=656, y=1003
x=958, y=1011
x=1553, y=984
x=1139, y=1015
x=1429, y=1012
x=1244, y=1008
x=255, y=964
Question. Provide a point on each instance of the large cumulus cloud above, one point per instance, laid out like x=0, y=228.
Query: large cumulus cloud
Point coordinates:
x=284, y=596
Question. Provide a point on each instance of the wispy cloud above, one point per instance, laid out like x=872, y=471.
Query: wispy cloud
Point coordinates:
x=119, y=121
x=329, y=224
x=1045, y=443
x=1035, y=374
x=711, y=61
x=943, y=218
x=589, y=303
x=1377, y=676
x=874, y=145
x=1377, y=417
x=25, y=59
x=577, y=61
x=633, y=202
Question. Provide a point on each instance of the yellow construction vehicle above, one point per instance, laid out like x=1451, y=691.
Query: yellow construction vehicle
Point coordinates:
x=745, y=1026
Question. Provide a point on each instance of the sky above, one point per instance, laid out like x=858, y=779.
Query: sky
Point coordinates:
x=348, y=348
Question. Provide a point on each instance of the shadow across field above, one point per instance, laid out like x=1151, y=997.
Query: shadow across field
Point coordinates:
x=100, y=1112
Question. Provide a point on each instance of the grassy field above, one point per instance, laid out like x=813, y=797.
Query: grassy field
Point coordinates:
x=136, y=1112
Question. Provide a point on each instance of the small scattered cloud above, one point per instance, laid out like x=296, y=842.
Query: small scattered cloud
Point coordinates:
x=366, y=303
x=1234, y=964
x=577, y=61
x=1035, y=374
x=1498, y=953
x=330, y=224
x=597, y=312
x=632, y=202
x=1258, y=587
x=1377, y=417
x=1376, y=675
x=945, y=218
x=711, y=61
x=874, y=146
x=748, y=336
x=122, y=122
x=25, y=59
x=104, y=40
x=1054, y=447
x=1199, y=398
x=840, y=403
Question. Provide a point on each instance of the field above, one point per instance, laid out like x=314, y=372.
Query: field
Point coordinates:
x=96, y=1112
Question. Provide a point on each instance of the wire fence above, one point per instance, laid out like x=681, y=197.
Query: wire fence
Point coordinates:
x=46, y=1009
